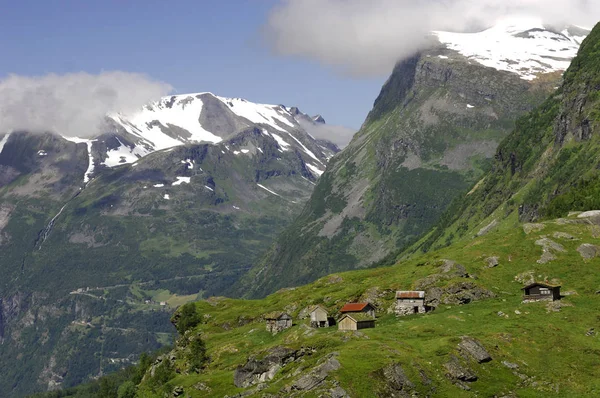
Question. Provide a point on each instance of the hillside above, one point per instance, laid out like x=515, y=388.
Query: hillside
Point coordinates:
x=431, y=134
x=545, y=168
x=99, y=244
x=417, y=353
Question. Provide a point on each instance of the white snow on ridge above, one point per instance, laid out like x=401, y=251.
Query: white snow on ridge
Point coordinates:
x=181, y=180
x=90, y=169
x=282, y=144
x=4, y=141
x=519, y=45
x=312, y=155
x=123, y=155
x=182, y=111
x=258, y=113
x=268, y=190
x=314, y=169
x=189, y=163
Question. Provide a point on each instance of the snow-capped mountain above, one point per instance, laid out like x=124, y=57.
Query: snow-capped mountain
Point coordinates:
x=203, y=118
x=524, y=46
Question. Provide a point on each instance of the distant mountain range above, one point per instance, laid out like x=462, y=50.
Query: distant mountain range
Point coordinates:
x=176, y=200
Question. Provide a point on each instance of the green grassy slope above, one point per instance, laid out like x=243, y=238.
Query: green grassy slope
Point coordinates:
x=551, y=346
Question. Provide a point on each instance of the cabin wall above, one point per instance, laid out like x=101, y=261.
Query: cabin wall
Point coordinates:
x=347, y=324
x=365, y=325
x=318, y=316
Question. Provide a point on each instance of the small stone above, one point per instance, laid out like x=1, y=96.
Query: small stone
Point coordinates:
x=532, y=227
x=517, y=312
x=492, y=261
x=590, y=332
x=510, y=365
x=588, y=251
x=475, y=349
x=588, y=214
x=563, y=235
x=500, y=313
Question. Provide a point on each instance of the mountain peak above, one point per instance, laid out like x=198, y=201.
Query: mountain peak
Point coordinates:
x=520, y=45
x=318, y=119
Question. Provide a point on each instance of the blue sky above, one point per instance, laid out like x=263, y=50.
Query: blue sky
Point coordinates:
x=192, y=45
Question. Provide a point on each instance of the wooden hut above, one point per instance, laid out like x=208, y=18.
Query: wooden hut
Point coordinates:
x=410, y=302
x=356, y=321
x=541, y=291
x=277, y=321
x=319, y=318
x=355, y=308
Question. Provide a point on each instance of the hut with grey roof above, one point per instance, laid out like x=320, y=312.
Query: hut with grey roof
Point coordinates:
x=277, y=321
x=410, y=302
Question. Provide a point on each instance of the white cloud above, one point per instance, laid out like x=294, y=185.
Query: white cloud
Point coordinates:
x=368, y=37
x=72, y=104
x=339, y=135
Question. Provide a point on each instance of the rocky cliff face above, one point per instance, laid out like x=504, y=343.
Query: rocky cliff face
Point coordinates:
x=545, y=168
x=431, y=134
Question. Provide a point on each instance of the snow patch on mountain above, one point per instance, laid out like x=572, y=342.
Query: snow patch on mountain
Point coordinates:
x=281, y=142
x=520, y=45
x=123, y=155
x=88, y=143
x=268, y=190
x=273, y=115
x=181, y=180
x=315, y=169
x=4, y=141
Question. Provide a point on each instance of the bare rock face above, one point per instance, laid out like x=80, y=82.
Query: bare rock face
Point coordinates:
x=316, y=378
x=474, y=349
x=458, y=372
x=256, y=370
x=485, y=230
x=396, y=383
x=464, y=293
x=549, y=248
x=588, y=251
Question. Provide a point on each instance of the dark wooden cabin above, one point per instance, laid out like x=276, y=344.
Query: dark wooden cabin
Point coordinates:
x=541, y=291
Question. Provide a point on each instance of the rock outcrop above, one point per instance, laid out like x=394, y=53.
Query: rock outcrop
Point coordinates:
x=474, y=349
x=257, y=370
x=588, y=251
x=396, y=383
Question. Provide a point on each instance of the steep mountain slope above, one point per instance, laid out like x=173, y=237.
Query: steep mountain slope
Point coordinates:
x=431, y=134
x=92, y=245
x=547, y=167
